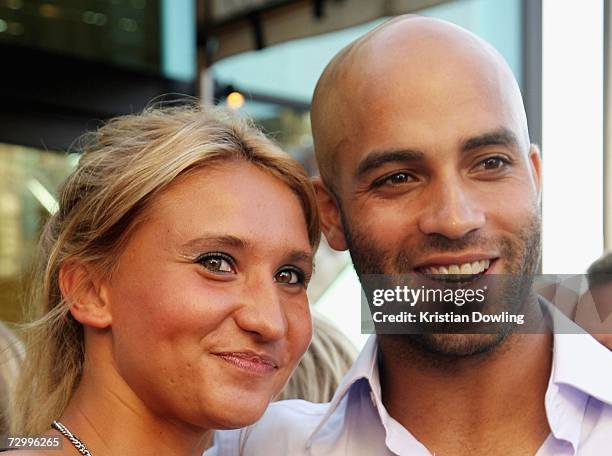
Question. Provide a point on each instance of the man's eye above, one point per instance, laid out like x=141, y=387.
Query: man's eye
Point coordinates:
x=394, y=179
x=494, y=163
x=399, y=178
x=217, y=262
x=289, y=276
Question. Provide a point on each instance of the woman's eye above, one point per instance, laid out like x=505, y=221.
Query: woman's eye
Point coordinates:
x=217, y=263
x=289, y=276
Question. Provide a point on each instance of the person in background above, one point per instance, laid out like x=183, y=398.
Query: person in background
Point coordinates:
x=594, y=309
x=172, y=287
x=328, y=358
x=11, y=358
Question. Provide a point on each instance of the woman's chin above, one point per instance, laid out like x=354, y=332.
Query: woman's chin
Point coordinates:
x=235, y=411
x=235, y=417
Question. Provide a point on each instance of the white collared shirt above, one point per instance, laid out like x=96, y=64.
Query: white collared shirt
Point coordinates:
x=578, y=406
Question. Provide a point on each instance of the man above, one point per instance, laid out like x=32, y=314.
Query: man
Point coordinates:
x=425, y=160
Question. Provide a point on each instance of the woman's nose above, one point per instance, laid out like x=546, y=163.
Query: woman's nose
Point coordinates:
x=261, y=310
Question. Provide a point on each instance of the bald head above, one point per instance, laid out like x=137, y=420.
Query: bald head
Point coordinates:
x=409, y=69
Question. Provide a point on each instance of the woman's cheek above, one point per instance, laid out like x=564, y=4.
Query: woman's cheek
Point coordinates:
x=301, y=328
x=200, y=311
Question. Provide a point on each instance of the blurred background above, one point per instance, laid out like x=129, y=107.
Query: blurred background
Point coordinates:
x=67, y=65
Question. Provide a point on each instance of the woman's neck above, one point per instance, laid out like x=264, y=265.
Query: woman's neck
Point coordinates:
x=110, y=419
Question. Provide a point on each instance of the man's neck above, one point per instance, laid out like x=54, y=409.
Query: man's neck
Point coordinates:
x=491, y=403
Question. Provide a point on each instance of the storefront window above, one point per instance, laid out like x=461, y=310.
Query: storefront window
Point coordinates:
x=29, y=179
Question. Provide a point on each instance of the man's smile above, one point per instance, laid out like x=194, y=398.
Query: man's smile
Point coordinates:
x=474, y=267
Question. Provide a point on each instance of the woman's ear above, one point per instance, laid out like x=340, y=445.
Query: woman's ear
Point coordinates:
x=331, y=221
x=86, y=294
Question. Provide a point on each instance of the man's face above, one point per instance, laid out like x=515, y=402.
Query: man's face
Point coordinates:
x=434, y=174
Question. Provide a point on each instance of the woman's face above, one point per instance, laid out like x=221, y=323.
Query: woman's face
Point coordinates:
x=209, y=307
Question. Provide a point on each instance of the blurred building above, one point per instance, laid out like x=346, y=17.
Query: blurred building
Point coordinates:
x=66, y=66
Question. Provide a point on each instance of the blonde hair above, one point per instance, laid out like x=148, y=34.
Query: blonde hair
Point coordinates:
x=320, y=371
x=125, y=164
x=11, y=357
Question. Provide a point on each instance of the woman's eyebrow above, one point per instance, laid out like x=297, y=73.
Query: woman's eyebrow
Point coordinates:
x=300, y=256
x=222, y=240
x=225, y=240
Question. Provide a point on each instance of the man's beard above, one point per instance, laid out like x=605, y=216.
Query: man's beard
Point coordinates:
x=521, y=255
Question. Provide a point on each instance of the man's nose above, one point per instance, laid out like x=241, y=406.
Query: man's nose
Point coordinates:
x=261, y=310
x=452, y=210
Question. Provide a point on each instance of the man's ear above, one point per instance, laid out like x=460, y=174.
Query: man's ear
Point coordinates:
x=331, y=222
x=86, y=294
x=535, y=163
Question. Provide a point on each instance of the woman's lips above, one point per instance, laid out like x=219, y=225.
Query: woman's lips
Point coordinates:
x=249, y=362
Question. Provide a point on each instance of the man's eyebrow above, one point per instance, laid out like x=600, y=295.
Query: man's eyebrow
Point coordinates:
x=379, y=158
x=499, y=137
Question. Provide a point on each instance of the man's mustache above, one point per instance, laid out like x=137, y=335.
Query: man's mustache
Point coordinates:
x=439, y=243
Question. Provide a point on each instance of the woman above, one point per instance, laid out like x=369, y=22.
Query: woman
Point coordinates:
x=173, y=287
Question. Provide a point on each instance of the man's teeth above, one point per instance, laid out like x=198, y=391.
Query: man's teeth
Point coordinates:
x=466, y=268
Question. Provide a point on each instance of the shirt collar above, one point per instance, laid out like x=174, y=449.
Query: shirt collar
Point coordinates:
x=364, y=367
x=579, y=361
x=581, y=369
